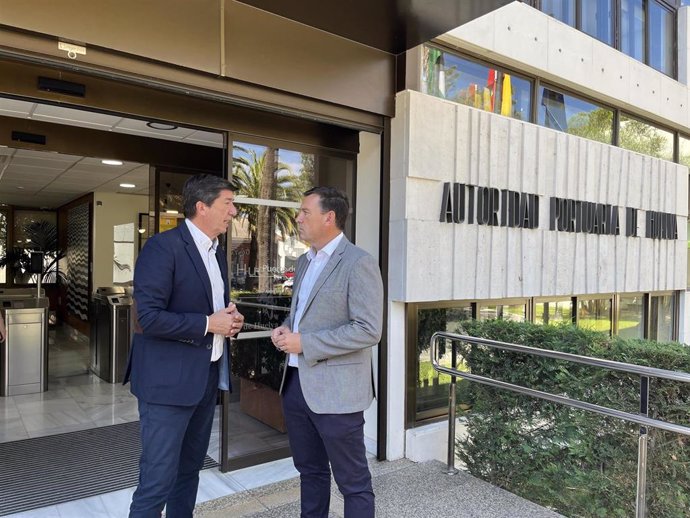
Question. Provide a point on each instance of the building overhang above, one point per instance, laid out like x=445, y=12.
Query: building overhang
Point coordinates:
x=393, y=26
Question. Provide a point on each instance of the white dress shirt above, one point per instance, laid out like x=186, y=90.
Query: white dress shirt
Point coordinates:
x=207, y=251
x=317, y=261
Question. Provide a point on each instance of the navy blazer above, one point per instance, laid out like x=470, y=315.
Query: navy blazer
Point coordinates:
x=170, y=355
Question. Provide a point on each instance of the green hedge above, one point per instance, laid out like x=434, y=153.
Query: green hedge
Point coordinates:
x=578, y=463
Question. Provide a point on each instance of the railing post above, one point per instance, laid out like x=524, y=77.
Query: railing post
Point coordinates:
x=451, y=415
x=641, y=504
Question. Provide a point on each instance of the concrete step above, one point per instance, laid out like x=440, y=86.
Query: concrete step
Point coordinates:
x=403, y=489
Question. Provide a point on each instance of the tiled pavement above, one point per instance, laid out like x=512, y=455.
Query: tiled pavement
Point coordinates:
x=403, y=489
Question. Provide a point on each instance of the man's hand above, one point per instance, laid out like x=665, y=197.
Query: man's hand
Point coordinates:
x=227, y=321
x=286, y=341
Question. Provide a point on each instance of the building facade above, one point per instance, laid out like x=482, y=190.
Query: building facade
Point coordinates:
x=539, y=160
x=522, y=160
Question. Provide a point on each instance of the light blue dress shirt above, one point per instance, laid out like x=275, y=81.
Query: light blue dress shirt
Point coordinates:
x=317, y=261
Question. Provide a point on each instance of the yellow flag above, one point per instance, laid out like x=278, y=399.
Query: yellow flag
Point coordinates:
x=506, y=96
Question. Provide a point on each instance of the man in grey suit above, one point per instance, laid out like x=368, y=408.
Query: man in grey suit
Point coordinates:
x=335, y=320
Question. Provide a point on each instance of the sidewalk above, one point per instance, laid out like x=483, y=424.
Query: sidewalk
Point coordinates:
x=403, y=489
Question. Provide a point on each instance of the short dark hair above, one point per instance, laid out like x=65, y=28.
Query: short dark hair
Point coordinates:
x=333, y=199
x=204, y=188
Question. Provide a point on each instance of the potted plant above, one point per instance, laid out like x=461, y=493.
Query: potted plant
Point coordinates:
x=43, y=237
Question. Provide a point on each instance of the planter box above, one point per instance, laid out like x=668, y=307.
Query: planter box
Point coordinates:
x=262, y=403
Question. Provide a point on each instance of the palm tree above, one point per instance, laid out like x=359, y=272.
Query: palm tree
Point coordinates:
x=262, y=176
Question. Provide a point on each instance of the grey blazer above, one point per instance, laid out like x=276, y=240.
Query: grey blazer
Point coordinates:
x=340, y=324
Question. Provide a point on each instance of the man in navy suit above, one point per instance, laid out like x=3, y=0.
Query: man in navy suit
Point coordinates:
x=179, y=357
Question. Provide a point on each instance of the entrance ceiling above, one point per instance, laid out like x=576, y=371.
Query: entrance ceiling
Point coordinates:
x=393, y=26
x=44, y=179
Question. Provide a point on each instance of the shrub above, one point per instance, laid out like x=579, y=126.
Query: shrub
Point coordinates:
x=578, y=463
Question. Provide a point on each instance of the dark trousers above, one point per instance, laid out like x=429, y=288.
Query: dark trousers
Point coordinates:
x=316, y=440
x=174, y=442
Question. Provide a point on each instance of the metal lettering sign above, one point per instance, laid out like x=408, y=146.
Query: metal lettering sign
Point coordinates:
x=489, y=206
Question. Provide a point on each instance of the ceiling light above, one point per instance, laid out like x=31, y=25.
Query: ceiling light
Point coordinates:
x=128, y=185
x=171, y=211
x=142, y=230
x=19, y=187
x=111, y=162
x=161, y=126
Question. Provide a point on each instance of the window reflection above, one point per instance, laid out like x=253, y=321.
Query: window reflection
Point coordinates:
x=597, y=19
x=265, y=246
x=662, y=318
x=473, y=84
x=594, y=314
x=631, y=317
x=432, y=388
x=684, y=150
x=645, y=138
x=553, y=312
x=570, y=114
x=515, y=312
x=633, y=22
x=563, y=10
x=661, y=36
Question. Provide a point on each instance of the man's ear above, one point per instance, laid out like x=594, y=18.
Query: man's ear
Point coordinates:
x=201, y=207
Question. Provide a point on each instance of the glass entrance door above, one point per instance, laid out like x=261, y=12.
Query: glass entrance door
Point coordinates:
x=264, y=247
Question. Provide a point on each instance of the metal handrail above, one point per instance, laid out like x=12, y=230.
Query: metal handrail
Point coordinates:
x=260, y=306
x=642, y=418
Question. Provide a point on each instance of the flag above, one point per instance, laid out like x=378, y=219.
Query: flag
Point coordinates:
x=506, y=96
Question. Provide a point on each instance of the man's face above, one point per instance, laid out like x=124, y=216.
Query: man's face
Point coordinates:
x=218, y=215
x=311, y=221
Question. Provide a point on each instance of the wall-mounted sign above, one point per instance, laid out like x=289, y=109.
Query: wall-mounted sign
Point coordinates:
x=462, y=203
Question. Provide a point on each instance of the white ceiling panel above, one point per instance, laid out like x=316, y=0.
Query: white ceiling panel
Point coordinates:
x=47, y=155
x=205, y=138
x=71, y=117
x=35, y=163
x=14, y=108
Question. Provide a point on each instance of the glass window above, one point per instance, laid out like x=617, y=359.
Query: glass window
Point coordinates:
x=432, y=389
x=662, y=318
x=563, y=10
x=633, y=22
x=35, y=231
x=594, y=314
x=516, y=312
x=565, y=112
x=264, y=246
x=631, y=317
x=3, y=246
x=553, y=312
x=596, y=17
x=473, y=84
x=661, y=37
x=684, y=149
x=645, y=138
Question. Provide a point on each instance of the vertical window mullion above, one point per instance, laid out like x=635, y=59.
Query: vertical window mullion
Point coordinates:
x=647, y=33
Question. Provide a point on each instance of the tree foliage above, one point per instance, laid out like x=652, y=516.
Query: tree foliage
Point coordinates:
x=261, y=176
x=578, y=463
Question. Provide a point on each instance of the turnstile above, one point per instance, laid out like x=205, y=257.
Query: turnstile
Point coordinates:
x=24, y=353
x=111, y=332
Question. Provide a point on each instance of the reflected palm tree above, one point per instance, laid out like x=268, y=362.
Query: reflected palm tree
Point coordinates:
x=262, y=176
